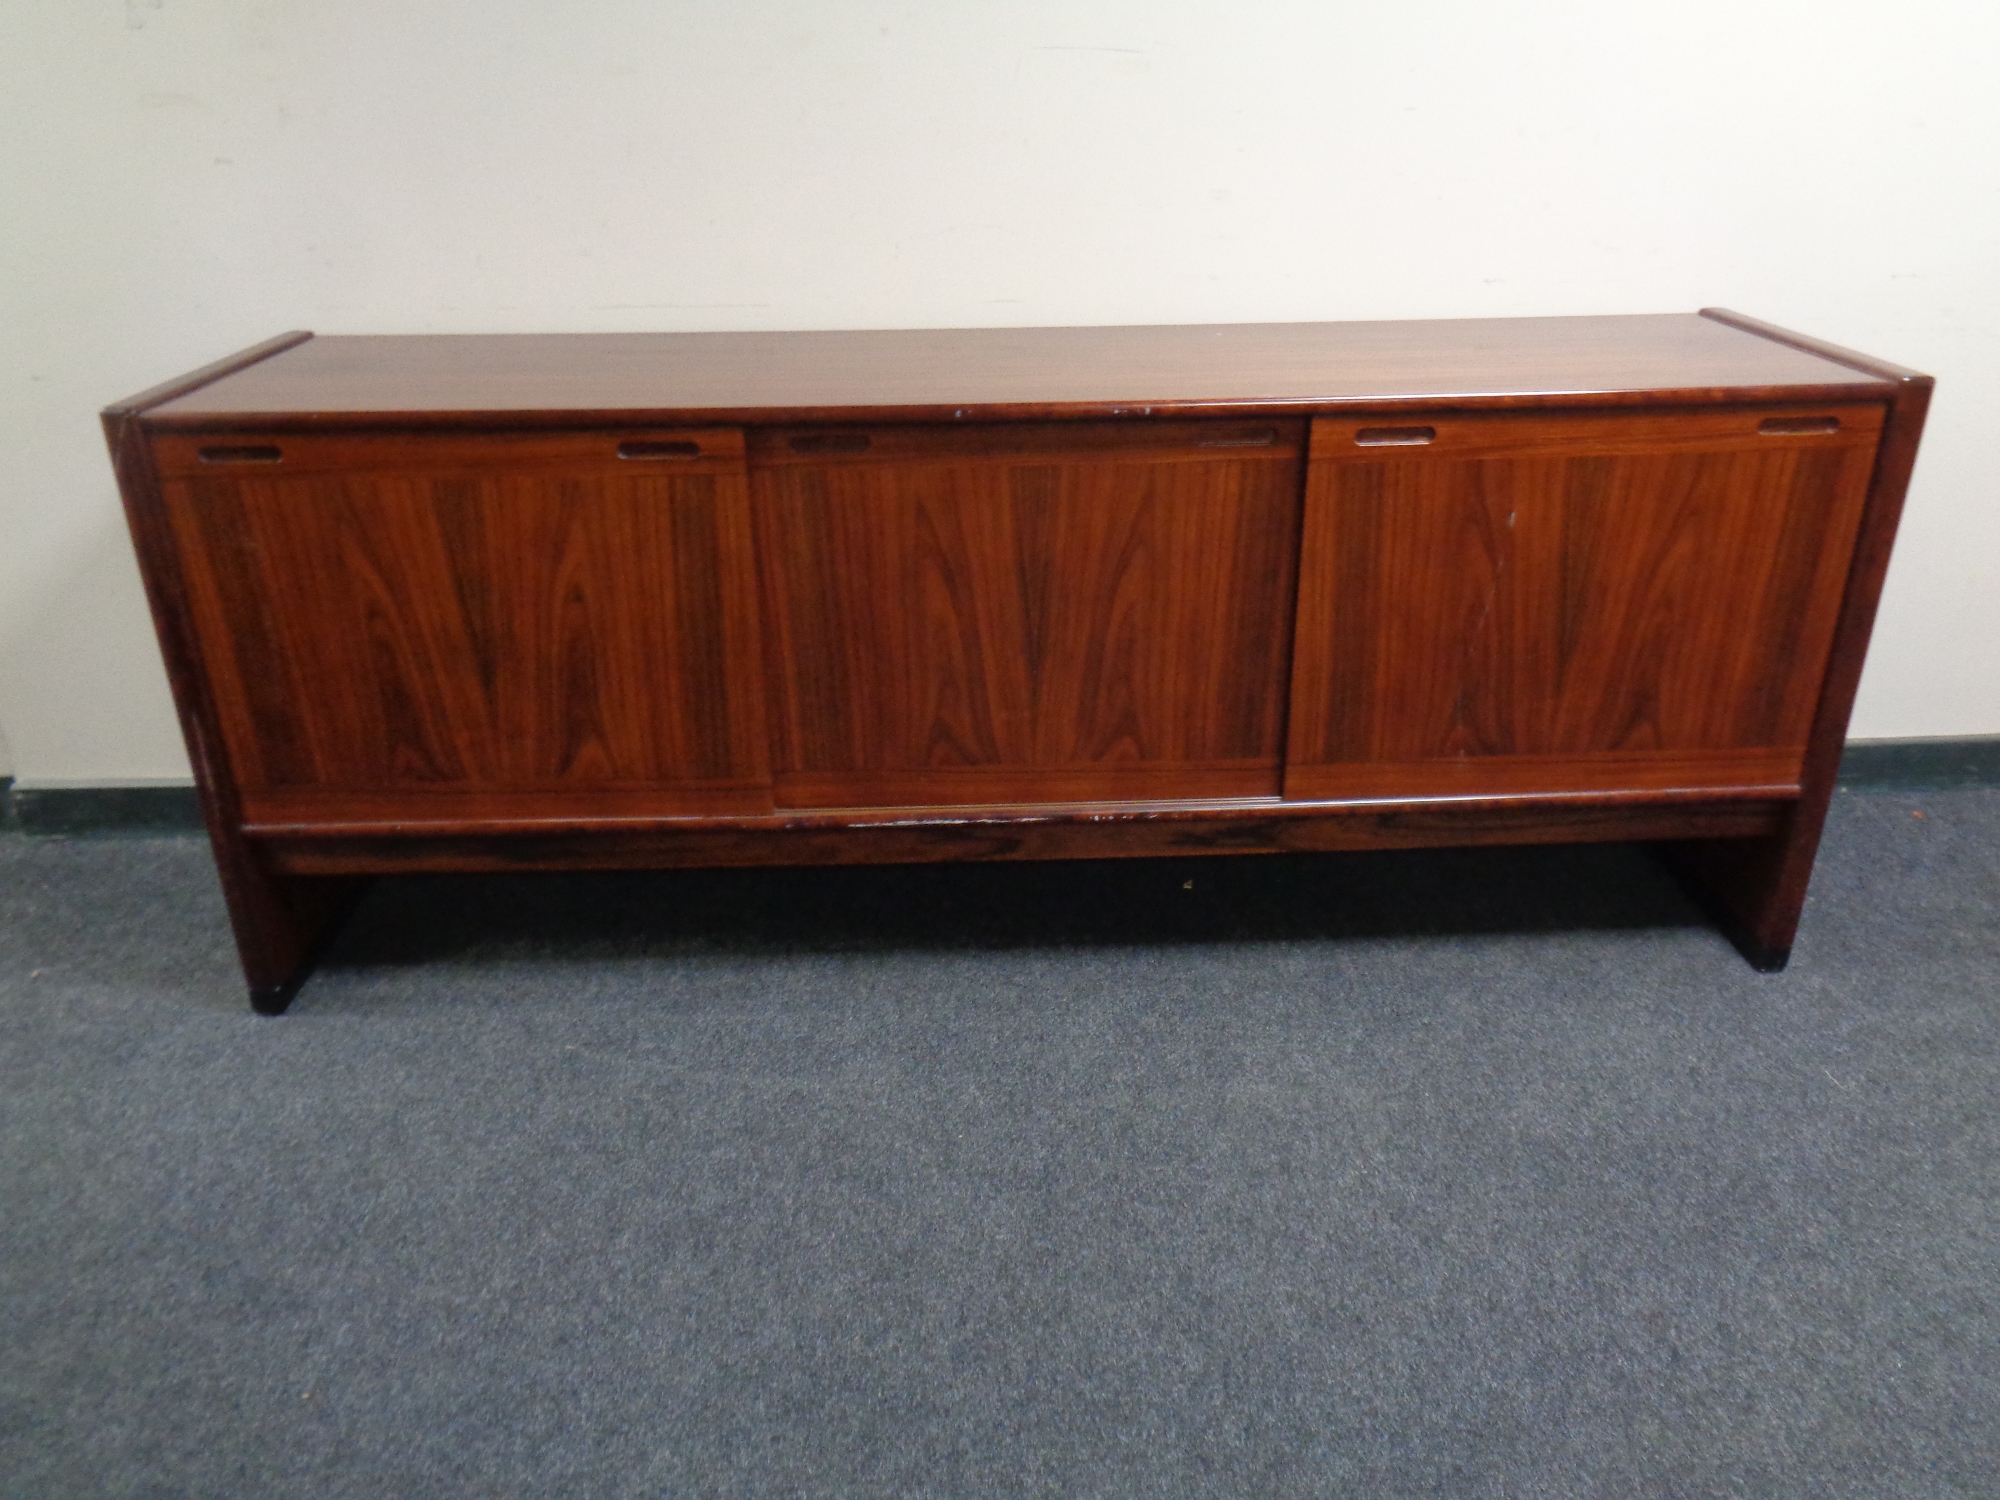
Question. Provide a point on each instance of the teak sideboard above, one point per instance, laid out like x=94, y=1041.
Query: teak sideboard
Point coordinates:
x=508, y=602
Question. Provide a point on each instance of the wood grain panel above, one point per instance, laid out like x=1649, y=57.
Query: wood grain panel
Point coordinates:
x=281, y=922
x=1523, y=589
x=949, y=610
x=1757, y=887
x=1083, y=834
x=423, y=617
x=561, y=455
x=971, y=786
x=1657, y=773
x=510, y=809
x=983, y=374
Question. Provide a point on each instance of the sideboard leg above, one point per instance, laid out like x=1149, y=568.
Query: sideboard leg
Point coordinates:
x=1753, y=889
x=282, y=924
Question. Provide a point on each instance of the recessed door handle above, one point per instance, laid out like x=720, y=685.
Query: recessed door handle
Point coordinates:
x=241, y=453
x=678, y=448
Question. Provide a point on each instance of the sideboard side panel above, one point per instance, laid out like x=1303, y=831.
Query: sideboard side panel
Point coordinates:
x=280, y=921
x=1756, y=888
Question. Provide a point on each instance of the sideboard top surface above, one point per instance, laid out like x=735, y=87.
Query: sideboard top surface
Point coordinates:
x=946, y=374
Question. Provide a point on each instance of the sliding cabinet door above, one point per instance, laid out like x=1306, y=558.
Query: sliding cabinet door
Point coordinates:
x=1527, y=604
x=476, y=629
x=1033, y=613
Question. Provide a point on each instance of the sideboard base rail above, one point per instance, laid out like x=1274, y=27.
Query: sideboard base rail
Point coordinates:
x=313, y=880
x=1066, y=835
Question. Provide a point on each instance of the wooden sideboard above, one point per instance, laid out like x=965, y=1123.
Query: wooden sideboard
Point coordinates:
x=552, y=602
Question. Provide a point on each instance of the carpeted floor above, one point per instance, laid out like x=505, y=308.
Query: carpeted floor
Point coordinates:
x=1483, y=1174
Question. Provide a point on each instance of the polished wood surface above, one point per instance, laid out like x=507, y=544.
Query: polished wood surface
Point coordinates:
x=1899, y=376
x=281, y=922
x=1077, y=834
x=1757, y=887
x=632, y=600
x=973, y=374
x=1073, y=613
x=216, y=370
x=1760, y=772
x=292, y=818
x=438, y=615
x=1529, y=602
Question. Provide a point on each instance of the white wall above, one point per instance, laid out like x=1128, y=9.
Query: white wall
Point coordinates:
x=179, y=178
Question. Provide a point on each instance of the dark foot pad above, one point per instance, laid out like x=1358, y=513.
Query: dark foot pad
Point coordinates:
x=272, y=999
x=1763, y=960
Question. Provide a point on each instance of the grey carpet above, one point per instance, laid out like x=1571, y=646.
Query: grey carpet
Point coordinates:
x=1483, y=1174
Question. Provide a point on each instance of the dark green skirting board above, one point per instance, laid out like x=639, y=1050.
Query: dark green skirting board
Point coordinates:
x=99, y=809
x=1920, y=765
